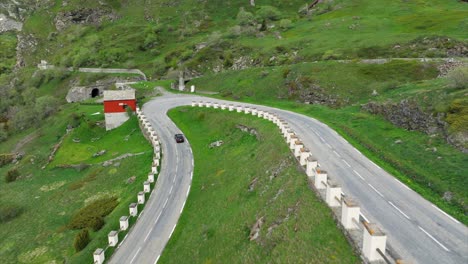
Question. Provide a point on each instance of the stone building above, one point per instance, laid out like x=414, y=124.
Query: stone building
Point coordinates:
x=116, y=105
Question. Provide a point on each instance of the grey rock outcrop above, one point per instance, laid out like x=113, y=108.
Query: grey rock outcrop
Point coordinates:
x=7, y=24
x=83, y=16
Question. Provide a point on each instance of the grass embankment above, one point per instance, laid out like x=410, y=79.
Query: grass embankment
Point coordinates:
x=220, y=210
x=48, y=198
x=427, y=164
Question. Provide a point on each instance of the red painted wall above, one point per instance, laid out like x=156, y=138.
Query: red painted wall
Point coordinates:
x=114, y=107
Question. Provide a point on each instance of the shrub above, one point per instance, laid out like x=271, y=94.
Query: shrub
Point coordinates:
x=269, y=12
x=8, y=213
x=3, y=135
x=91, y=216
x=458, y=77
x=5, y=159
x=12, y=175
x=285, y=24
x=81, y=240
x=245, y=18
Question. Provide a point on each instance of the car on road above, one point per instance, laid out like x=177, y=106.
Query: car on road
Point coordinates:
x=179, y=138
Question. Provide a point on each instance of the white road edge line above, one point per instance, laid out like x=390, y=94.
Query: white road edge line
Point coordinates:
x=149, y=232
x=336, y=153
x=183, y=205
x=398, y=209
x=355, y=149
x=344, y=161
x=188, y=190
x=404, y=185
x=328, y=145
x=449, y=216
x=355, y=172
x=173, y=230
x=373, y=188
x=170, y=191
x=165, y=203
x=131, y=261
x=429, y=235
x=365, y=218
x=157, y=259
x=321, y=138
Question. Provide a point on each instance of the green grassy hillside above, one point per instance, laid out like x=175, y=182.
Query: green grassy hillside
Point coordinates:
x=249, y=177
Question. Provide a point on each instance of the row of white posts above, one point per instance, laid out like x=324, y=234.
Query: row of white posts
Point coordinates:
x=374, y=240
x=113, y=236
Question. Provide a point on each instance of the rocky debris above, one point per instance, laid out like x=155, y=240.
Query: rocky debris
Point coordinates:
x=398, y=141
x=447, y=66
x=407, y=114
x=252, y=184
x=7, y=24
x=99, y=153
x=291, y=210
x=251, y=131
x=124, y=156
x=78, y=167
x=448, y=196
x=88, y=16
x=131, y=180
x=375, y=93
x=27, y=44
x=279, y=169
x=217, y=143
x=76, y=140
x=255, y=230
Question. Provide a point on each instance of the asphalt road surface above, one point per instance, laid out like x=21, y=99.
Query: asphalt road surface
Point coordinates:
x=417, y=230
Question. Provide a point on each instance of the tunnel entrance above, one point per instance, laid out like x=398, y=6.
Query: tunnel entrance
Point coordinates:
x=94, y=92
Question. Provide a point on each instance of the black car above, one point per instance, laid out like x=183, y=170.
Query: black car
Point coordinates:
x=179, y=138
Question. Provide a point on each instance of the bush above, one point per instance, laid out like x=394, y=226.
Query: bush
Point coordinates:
x=91, y=216
x=8, y=213
x=245, y=18
x=81, y=240
x=285, y=24
x=12, y=175
x=5, y=159
x=458, y=77
x=269, y=12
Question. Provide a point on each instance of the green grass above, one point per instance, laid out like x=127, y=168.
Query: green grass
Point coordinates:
x=215, y=224
x=49, y=197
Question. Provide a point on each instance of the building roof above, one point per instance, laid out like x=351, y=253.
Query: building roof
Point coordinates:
x=113, y=95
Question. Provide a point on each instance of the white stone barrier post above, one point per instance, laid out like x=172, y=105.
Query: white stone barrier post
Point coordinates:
x=98, y=256
x=305, y=154
x=254, y=111
x=292, y=142
x=247, y=110
x=297, y=148
x=193, y=103
x=133, y=209
x=215, y=105
x=288, y=136
x=231, y=107
x=154, y=169
x=239, y=109
x=333, y=195
x=350, y=213
x=260, y=113
x=320, y=181
x=141, y=197
x=311, y=165
x=223, y=106
x=113, y=238
x=123, y=223
x=208, y=104
x=200, y=104
x=374, y=239
x=146, y=187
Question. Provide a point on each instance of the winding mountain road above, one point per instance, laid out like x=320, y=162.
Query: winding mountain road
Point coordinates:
x=417, y=230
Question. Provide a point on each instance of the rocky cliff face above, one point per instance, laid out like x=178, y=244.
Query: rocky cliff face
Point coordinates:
x=409, y=115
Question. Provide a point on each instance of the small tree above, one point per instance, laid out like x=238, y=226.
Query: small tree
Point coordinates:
x=81, y=240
